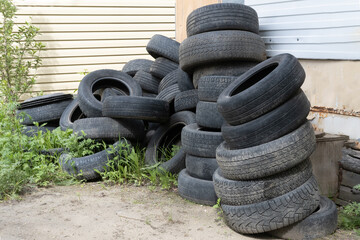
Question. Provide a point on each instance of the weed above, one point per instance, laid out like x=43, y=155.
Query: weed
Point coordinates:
x=219, y=210
x=349, y=217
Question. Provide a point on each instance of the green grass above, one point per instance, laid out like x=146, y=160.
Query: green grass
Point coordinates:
x=22, y=163
x=349, y=217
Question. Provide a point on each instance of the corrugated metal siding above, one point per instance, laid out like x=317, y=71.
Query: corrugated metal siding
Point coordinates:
x=321, y=29
x=85, y=35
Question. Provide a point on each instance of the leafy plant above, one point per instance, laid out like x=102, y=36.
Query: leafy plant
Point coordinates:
x=349, y=217
x=19, y=54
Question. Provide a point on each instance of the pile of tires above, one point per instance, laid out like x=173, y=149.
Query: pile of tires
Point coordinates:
x=222, y=44
x=265, y=179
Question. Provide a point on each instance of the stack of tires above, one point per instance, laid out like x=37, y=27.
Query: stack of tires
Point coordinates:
x=222, y=44
x=265, y=179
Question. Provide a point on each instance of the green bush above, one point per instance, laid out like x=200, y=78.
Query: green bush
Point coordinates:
x=349, y=217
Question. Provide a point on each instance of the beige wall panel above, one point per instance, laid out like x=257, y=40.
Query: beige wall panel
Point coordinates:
x=55, y=86
x=72, y=77
x=95, y=44
x=183, y=9
x=93, y=52
x=333, y=84
x=78, y=69
x=97, y=3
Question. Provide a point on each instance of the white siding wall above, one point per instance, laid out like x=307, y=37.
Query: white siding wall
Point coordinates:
x=313, y=29
x=86, y=35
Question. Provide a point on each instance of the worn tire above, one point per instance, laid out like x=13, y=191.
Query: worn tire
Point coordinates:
x=222, y=16
x=199, y=141
x=269, y=158
x=169, y=93
x=44, y=100
x=148, y=82
x=87, y=167
x=186, y=100
x=168, y=80
x=210, y=87
x=106, y=128
x=196, y=190
x=261, y=89
x=162, y=67
x=270, y=126
x=319, y=224
x=71, y=113
x=208, y=116
x=220, y=46
x=200, y=167
x=161, y=46
x=133, y=66
x=104, y=78
x=142, y=108
x=165, y=136
x=350, y=163
x=43, y=113
x=32, y=131
x=233, y=68
x=275, y=213
x=184, y=81
x=238, y=193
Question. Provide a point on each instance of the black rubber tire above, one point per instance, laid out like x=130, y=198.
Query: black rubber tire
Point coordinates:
x=165, y=136
x=168, y=80
x=238, y=193
x=133, y=66
x=142, y=108
x=85, y=167
x=107, y=92
x=148, y=82
x=150, y=95
x=55, y=152
x=350, y=163
x=233, y=68
x=196, y=190
x=208, y=116
x=200, y=141
x=220, y=46
x=109, y=129
x=43, y=113
x=210, y=87
x=261, y=89
x=270, y=126
x=222, y=16
x=32, y=131
x=319, y=224
x=200, y=167
x=161, y=46
x=162, y=67
x=184, y=80
x=269, y=158
x=275, y=213
x=71, y=113
x=169, y=93
x=44, y=100
x=104, y=78
x=186, y=100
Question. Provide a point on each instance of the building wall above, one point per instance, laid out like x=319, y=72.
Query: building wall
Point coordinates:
x=82, y=36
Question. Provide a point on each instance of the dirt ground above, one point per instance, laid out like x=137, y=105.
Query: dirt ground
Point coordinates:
x=93, y=211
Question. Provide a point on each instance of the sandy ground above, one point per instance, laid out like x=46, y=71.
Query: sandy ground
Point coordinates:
x=93, y=211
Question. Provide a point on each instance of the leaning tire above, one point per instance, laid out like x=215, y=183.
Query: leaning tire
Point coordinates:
x=88, y=167
x=162, y=67
x=110, y=129
x=168, y=80
x=104, y=78
x=142, y=108
x=220, y=46
x=222, y=16
x=196, y=190
x=319, y=224
x=269, y=158
x=199, y=141
x=200, y=167
x=186, y=100
x=161, y=46
x=270, y=126
x=208, y=116
x=148, y=82
x=275, y=213
x=164, y=137
x=261, y=89
x=133, y=66
x=238, y=193
x=71, y=113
